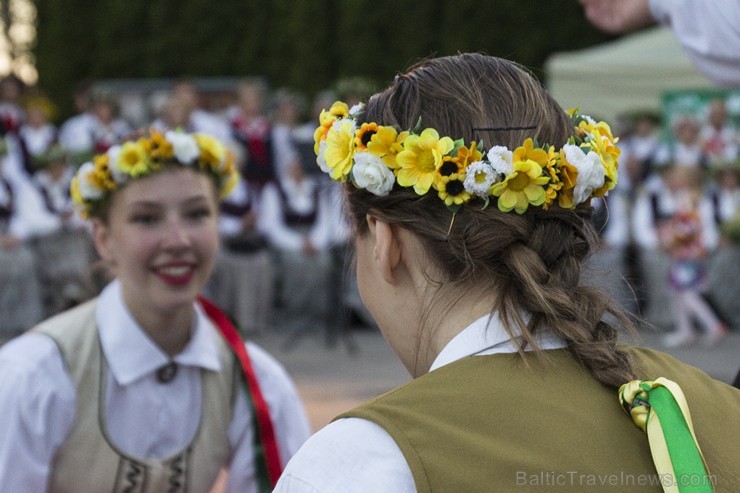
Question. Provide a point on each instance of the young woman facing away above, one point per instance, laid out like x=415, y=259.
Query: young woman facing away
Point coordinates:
x=469, y=188
x=147, y=388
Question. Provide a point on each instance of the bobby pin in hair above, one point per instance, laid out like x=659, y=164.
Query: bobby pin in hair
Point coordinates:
x=452, y=221
x=502, y=129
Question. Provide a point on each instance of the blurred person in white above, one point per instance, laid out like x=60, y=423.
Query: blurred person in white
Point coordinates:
x=64, y=255
x=682, y=236
x=21, y=217
x=183, y=110
x=707, y=30
x=253, y=130
x=287, y=107
x=295, y=219
x=148, y=387
x=74, y=133
x=12, y=90
x=686, y=148
x=653, y=208
x=638, y=152
x=107, y=127
x=243, y=280
x=37, y=132
x=719, y=138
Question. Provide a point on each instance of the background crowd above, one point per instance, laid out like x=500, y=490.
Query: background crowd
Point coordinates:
x=285, y=243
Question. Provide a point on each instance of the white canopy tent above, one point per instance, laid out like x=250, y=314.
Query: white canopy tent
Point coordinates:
x=624, y=75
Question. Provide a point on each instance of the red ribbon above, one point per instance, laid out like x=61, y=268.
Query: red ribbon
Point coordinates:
x=264, y=423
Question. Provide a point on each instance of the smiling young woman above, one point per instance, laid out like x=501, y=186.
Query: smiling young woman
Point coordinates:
x=147, y=387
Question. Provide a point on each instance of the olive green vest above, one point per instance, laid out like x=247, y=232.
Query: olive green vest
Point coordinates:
x=488, y=423
x=88, y=462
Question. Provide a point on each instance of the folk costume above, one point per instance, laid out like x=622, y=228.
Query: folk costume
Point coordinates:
x=89, y=391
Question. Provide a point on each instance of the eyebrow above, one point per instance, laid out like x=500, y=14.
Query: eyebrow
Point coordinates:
x=197, y=199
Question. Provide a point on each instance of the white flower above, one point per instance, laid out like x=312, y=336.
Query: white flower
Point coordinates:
x=355, y=110
x=369, y=172
x=479, y=177
x=88, y=190
x=119, y=176
x=590, y=172
x=500, y=158
x=589, y=120
x=184, y=146
x=321, y=159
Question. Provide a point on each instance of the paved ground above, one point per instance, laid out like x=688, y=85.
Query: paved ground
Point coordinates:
x=333, y=380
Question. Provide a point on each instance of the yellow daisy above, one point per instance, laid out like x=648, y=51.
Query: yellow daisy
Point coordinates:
x=133, y=159
x=521, y=188
x=364, y=134
x=420, y=158
x=451, y=189
x=386, y=143
x=340, y=149
x=160, y=149
x=568, y=175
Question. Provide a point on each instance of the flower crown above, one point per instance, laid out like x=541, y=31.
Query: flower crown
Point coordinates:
x=96, y=180
x=375, y=157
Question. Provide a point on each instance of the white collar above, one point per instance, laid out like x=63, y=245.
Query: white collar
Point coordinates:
x=487, y=336
x=131, y=354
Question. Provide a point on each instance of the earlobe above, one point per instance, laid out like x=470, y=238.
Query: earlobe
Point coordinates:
x=387, y=249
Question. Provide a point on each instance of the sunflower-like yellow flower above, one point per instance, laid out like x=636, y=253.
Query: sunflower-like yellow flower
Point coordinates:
x=101, y=176
x=451, y=189
x=420, y=158
x=212, y=152
x=552, y=171
x=340, y=149
x=364, y=134
x=386, y=143
x=133, y=159
x=527, y=151
x=160, y=149
x=522, y=187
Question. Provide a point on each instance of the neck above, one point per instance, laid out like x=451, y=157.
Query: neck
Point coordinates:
x=170, y=331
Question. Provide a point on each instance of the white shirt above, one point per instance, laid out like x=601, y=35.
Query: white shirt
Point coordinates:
x=709, y=32
x=353, y=455
x=37, y=399
x=302, y=198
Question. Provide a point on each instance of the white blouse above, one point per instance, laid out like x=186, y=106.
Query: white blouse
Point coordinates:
x=353, y=455
x=37, y=399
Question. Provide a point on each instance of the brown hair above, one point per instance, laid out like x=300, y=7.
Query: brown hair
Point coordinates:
x=529, y=262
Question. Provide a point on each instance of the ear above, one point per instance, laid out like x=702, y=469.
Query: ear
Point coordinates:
x=386, y=250
x=101, y=238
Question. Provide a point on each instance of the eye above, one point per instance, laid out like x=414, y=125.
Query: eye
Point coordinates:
x=144, y=218
x=198, y=213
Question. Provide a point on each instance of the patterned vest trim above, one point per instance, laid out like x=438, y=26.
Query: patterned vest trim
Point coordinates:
x=497, y=423
x=88, y=448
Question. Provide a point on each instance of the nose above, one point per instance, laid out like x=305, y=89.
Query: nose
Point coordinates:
x=176, y=236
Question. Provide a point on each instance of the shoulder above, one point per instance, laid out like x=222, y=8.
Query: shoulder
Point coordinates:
x=348, y=455
x=34, y=372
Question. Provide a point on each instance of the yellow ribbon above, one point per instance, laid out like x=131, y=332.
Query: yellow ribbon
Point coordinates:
x=635, y=399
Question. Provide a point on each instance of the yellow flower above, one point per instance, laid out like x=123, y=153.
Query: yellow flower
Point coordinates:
x=212, y=152
x=604, y=145
x=337, y=111
x=466, y=156
x=420, y=158
x=568, y=176
x=319, y=135
x=364, y=135
x=340, y=149
x=522, y=187
x=451, y=189
x=159, y=148
x=386, y=143
x=555, y=184
x=133, y=159
x=527, y=152
x=101, y=176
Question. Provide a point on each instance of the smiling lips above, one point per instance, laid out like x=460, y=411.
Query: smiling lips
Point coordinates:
x=176, y=274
